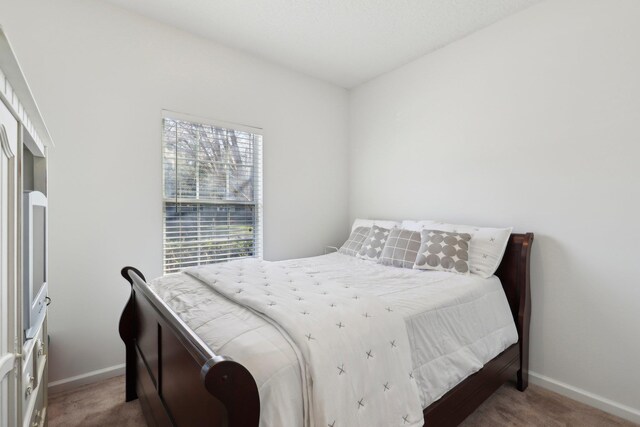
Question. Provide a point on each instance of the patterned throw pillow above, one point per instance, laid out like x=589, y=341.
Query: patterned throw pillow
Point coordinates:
x=354, y=242
x=375, y=241
x=445, y=251
x=487, y=248
x=401, y=248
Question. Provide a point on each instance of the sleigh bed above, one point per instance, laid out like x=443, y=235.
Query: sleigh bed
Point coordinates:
x=181, y=382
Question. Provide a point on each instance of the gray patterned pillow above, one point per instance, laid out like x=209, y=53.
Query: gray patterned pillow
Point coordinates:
x=401, y=248
x=375, y=241
x=354, y=242
x=445, y=251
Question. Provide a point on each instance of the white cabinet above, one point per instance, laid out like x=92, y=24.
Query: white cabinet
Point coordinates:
x=24, y=141
x=8, y=263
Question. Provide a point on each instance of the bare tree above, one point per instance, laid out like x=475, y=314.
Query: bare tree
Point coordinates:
x=205, y=166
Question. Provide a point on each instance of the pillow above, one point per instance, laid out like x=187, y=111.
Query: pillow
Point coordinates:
x=487, y=246
x=401, y=248
x=354, y=242
x=417, y=225
x=371, y=222
x=372, y=247
x=444, y=251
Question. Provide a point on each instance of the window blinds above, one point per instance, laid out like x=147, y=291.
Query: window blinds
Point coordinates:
x=212, y=194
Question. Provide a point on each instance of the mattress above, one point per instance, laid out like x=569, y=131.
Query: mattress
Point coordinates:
x=455, y=324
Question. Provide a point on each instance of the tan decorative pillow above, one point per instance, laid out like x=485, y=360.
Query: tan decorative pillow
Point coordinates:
x=401, y=248
x=375, y=241
x=354, y=242
x=444, y=251
x=487, y=248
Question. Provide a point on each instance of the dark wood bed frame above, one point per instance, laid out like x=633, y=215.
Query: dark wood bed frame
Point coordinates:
x=181, y=382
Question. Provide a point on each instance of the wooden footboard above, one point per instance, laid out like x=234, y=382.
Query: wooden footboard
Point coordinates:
x=181, y=382
x=179, y=379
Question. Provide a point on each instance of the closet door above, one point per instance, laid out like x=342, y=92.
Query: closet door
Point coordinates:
x=8, y=263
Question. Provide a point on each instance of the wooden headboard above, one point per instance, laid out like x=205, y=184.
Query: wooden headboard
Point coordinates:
x=514, y=275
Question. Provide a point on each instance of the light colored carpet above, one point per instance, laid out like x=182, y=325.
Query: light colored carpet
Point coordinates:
x=102, y=404
x=93, y=405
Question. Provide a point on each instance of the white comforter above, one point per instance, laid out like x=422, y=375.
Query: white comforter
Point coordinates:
x=455, y=324
x=356, y=359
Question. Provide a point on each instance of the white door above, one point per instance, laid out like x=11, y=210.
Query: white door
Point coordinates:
x=8, y=282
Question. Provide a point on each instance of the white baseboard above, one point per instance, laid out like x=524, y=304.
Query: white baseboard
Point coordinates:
x=586, y=397
x=88, y=378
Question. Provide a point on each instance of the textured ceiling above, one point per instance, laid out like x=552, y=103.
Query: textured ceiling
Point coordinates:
x=346, y=42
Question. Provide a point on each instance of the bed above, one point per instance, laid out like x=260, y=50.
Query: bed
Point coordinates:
x=467, y=337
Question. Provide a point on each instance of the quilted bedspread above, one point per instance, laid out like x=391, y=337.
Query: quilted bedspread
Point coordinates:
x=354, y=352
x=455, y=324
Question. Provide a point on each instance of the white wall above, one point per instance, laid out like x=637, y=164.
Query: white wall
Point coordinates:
x=101, y=77
x=532, y=122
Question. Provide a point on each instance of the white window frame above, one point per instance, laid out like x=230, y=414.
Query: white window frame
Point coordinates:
x=258, y=163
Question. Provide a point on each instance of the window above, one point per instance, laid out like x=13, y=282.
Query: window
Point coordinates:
x=212, y=207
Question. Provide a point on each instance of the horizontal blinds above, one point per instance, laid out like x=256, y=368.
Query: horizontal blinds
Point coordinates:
x=212, y=194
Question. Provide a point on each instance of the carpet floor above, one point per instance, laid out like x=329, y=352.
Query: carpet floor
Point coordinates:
x=102, y=404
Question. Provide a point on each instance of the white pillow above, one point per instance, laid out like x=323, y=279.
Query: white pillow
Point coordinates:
x=487, y=244
x=486, y=248
x=411, y=225
x=371, y=222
